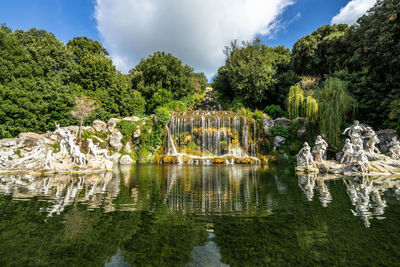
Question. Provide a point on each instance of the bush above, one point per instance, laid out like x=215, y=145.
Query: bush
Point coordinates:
x=127, y=128
x=279, y=130
x=162, y=116
x=275, y=111
x=176, y=106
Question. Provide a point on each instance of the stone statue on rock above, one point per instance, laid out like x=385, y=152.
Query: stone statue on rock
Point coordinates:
x=95, y=150
x=394, y=148
x=373, y=140
x=348, y=152
x=360, y=160
x=319, y=148
x=355, y=133
x=305, y=159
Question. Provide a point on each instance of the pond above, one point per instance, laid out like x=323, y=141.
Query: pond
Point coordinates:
x=180, y=215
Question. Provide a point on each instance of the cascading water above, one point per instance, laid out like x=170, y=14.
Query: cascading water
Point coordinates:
x=211, y=134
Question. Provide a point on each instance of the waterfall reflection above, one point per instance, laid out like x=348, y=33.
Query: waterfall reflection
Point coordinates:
x=212, y=190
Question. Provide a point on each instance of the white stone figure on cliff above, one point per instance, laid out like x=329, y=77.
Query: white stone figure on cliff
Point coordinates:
x=70, y=141
x=355, y=133
x=49, y=159
x=373, y=140
x=361, y=160
x=95, y=150
x=304, y=157
x=319, y=148
x=78, y=157
x=63, y=139
x=348, y=152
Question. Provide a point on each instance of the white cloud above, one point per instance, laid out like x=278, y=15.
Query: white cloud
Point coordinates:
x=352, y=11
x=196, y=31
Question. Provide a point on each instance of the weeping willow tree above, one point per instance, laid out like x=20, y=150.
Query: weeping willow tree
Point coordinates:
x=302, y=104
x=329, y=107
x=335, y=106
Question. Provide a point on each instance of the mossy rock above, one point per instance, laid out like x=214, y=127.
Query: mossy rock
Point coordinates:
x=218, y=161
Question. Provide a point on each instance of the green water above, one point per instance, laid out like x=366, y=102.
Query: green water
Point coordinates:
x=151, y=215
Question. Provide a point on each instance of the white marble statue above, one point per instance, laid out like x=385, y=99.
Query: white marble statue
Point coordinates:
x=95, y=150
x=348, y=152
x=304, y=157
x=77, y=156
x=34, y=154
x=373, y=140
x=361, y=160
x=49, y=159
x=319, y=148
x=355, y=133
x=63, y=138
x=394, y=148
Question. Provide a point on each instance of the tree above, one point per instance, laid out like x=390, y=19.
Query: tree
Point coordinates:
x=320, y=52
x=329, y=106
x=84, y=107
x=162, y=70
x=250, y=73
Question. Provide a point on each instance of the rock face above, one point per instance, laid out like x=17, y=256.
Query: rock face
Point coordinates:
x=112, y=123
x=125, y=160
x=100, y=126
x=283, y=121
x=268, y=123
x=137, y=133
x=115, y=140
x=385, y=136
x=132, y=119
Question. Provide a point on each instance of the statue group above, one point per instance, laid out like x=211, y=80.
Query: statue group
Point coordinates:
x=360, y=145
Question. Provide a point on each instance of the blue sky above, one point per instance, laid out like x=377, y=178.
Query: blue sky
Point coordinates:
x=116, y=24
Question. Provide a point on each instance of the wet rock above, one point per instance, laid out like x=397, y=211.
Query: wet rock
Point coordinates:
x=268, y=123
x=115, y=140
x=283, y=121
x=279, y=141
x=100, y=126
x=339, y=156
x=125, y=160
x=385, y=136
x=112, y=123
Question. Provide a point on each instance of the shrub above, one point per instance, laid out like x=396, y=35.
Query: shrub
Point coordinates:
x=275, y=111
x=162, y=116
x=176, y=106
x=127, y=128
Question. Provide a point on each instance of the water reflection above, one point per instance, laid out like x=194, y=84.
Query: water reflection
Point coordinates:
x=367, y=196
x=212, y=190
x=151, y=215
x=310, y=182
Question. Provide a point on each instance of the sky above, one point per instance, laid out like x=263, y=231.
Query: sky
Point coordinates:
x=195, y=31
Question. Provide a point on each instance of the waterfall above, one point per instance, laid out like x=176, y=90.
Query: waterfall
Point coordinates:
x=211, y=134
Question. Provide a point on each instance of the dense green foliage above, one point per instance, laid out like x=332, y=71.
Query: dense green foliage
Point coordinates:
x=255, y=74
x=40, y=77
x=365, y=56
